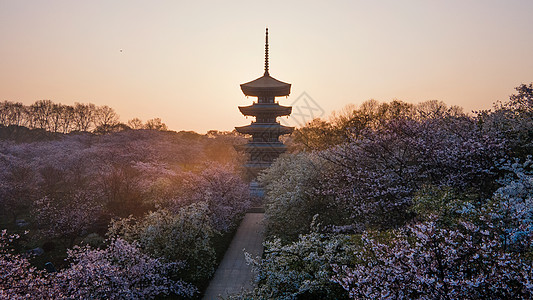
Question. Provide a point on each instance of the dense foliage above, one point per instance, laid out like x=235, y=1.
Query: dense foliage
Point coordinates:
x=414, y=201
x=165, y=196
x=302, y=269
x=120, y=271
x=484, y=253
x=385, y=200
x=182, y=237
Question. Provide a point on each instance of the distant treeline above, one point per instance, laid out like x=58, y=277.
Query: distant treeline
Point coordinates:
x=61, y=118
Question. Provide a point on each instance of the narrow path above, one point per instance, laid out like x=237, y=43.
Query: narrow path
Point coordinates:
x=233, y=274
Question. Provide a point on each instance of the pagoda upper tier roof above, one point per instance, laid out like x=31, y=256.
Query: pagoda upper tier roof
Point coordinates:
x=266, y=86
x=255, y=128
x=265, y=109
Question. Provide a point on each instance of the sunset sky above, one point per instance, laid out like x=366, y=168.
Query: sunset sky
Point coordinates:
x=183, y=61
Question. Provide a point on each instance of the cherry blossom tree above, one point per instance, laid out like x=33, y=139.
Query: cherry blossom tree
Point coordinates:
x=181, y=237
x=302, y=269
x=120, y=271
x=427, y=262
x=18, y=279
x=458, y=249
x=68, y=217
x=485, y=253
x=512, y=120
x=221, y=188
x=17, y=187
x=293, y=196
x=379, y=171
x=376, y=157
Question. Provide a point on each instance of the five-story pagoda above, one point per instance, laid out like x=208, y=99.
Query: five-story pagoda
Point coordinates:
x=265, y=145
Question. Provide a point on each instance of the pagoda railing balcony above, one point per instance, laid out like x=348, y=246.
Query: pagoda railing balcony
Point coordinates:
x=275, y=102
x=269, y=123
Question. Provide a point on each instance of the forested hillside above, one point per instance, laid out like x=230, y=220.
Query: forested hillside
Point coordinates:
x=380, y=201
x=141, y=212
x=402, y=201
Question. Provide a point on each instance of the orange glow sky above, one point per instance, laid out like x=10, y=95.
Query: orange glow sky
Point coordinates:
x=183, y=61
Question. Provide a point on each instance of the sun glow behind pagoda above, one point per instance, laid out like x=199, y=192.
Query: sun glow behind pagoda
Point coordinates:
x=265, y=145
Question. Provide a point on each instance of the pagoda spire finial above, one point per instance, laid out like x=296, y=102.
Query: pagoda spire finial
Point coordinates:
x=266, y=53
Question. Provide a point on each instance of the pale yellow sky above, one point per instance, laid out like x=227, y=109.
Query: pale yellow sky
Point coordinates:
x=183, y=61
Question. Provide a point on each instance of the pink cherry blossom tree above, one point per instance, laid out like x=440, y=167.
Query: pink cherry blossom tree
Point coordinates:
x=221, y=188
x=18, y=279
x=379, y=170
x=68, y=217
x=484, y=253
x=120, y=271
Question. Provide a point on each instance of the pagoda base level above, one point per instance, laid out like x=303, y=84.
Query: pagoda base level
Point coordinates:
x=256, y=191
x=257, y=165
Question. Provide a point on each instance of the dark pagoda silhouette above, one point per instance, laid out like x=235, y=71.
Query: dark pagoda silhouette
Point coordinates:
x=265, y=145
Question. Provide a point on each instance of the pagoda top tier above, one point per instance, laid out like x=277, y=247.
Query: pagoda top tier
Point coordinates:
x=266, y=86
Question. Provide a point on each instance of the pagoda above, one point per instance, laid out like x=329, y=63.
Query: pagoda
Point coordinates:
x=265, y=145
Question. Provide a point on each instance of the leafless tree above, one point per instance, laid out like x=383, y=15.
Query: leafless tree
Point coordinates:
x=155, y=124
x=41, y=114
x=105, y=118
x=83, y=116
x=135, y=123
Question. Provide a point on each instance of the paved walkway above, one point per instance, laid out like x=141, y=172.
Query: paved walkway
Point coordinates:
x=233, y=274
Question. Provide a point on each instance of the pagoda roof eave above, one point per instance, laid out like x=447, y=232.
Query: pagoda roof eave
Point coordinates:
x=260, y=108
x=264, y=127
x=266, y=86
